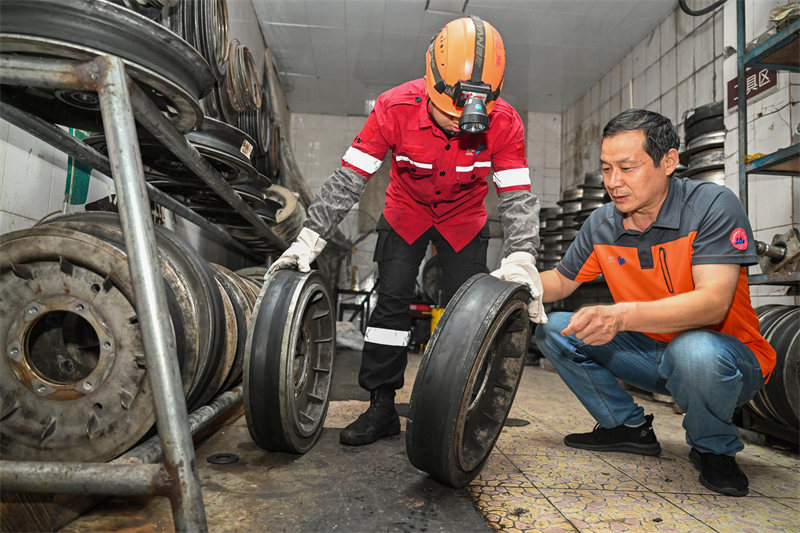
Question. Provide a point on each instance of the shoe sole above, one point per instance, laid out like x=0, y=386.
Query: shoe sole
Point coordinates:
x=727, y=491
x=388, y=432
x=638, y=449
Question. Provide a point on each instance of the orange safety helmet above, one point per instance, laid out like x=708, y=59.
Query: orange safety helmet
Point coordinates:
x=464, y=69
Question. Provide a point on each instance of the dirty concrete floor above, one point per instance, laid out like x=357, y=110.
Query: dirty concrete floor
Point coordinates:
x=531, y=482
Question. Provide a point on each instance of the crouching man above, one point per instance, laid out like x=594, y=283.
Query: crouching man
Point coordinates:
x=673, y=252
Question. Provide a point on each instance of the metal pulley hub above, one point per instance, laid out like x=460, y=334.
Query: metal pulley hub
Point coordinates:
x=73, y=381
x=467, y=379
x=289, y=362
x=170, y=71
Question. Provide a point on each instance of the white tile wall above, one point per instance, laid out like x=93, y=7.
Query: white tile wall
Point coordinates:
x=13, y=222
x=668, y=33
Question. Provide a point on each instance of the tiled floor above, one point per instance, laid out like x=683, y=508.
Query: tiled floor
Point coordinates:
x=531, y=482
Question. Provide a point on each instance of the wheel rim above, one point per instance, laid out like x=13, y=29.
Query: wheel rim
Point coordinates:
x=489, y=394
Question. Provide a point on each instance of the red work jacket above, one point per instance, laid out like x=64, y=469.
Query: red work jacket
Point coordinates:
x=435, y=180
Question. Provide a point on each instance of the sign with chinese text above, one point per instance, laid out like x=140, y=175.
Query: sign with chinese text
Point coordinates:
x=757, y=81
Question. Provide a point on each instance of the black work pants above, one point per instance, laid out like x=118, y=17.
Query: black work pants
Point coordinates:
x=385, y=353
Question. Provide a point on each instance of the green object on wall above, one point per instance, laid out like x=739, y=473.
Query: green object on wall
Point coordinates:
x=77, y=188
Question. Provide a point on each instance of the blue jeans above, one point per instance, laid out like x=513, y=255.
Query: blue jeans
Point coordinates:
x=707, y=373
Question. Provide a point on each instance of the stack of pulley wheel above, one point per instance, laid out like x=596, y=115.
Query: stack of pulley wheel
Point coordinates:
x=467, y=379
x=171, y=71
x=704, y=152
x=228, y=150
x=174, y=72
x=593, y=195
x=268, y=157
x=73, y=370
x=239, y=100
x=152, y=9
x=778, y=401
x=549, y=251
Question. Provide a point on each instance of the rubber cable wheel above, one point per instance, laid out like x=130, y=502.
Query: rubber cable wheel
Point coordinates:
x=289, y=362
x=467, y=379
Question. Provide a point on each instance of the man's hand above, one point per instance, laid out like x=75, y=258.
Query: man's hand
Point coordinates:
x=300, y=254
x=520, y=267
x=596, y=324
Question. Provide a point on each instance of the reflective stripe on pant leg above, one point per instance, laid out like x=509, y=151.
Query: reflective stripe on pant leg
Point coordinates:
x=384, y=357
x=388, y=337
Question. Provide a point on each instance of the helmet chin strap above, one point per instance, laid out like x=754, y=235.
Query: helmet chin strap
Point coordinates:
x=448, y=133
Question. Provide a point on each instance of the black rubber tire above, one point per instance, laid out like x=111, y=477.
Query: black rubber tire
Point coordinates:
x=768, y=315
x=293, y=316
x=703, y=119
x=775, y=394
x=703, y=112
x=704, y=126
x=467, y=379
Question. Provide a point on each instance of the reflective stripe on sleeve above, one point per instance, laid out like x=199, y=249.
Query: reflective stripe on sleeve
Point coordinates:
x=415, y=163
x=471, y=167
x=362, y=161
x=387, y=337
x=512, y=178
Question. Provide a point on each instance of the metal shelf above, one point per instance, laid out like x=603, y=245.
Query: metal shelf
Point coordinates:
x=780, y=52
x=775, y=278
x=785, y=161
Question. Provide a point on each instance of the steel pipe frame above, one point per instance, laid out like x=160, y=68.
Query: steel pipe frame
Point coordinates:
x=741, y=94
x=83, y=478
x=57, y=137
x=128, y=475
x=150, y=450
x=106, y=75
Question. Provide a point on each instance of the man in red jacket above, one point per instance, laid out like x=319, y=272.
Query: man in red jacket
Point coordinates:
x=447, y=132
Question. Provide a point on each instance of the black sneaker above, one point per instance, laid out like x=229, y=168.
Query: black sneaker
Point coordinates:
x=639, y=439
x=378, y=421
x=720, y=473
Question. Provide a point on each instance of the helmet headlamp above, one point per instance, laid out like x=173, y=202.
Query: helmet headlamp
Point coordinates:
x=472, y=97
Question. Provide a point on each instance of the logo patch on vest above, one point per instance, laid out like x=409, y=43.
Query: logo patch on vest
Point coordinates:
x=739, y=239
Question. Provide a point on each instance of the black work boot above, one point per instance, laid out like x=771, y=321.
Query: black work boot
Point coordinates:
x=639, y=439
x=378, y=421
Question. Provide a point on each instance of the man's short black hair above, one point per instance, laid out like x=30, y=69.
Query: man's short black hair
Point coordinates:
x=659, y=133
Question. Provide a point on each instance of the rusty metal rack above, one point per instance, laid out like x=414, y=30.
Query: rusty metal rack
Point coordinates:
x=120, y=101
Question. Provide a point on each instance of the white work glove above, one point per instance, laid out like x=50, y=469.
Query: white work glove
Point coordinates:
x=301, y=253
x=520, y=267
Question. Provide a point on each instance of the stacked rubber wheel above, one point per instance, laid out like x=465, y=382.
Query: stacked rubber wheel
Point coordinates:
x=704, y=155
x=779, y=400
x=74, y=373
x=549, y=251
x=560, y=225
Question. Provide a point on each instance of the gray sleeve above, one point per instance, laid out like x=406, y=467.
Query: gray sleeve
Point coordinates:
x=338, y=194
x=519, y=216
